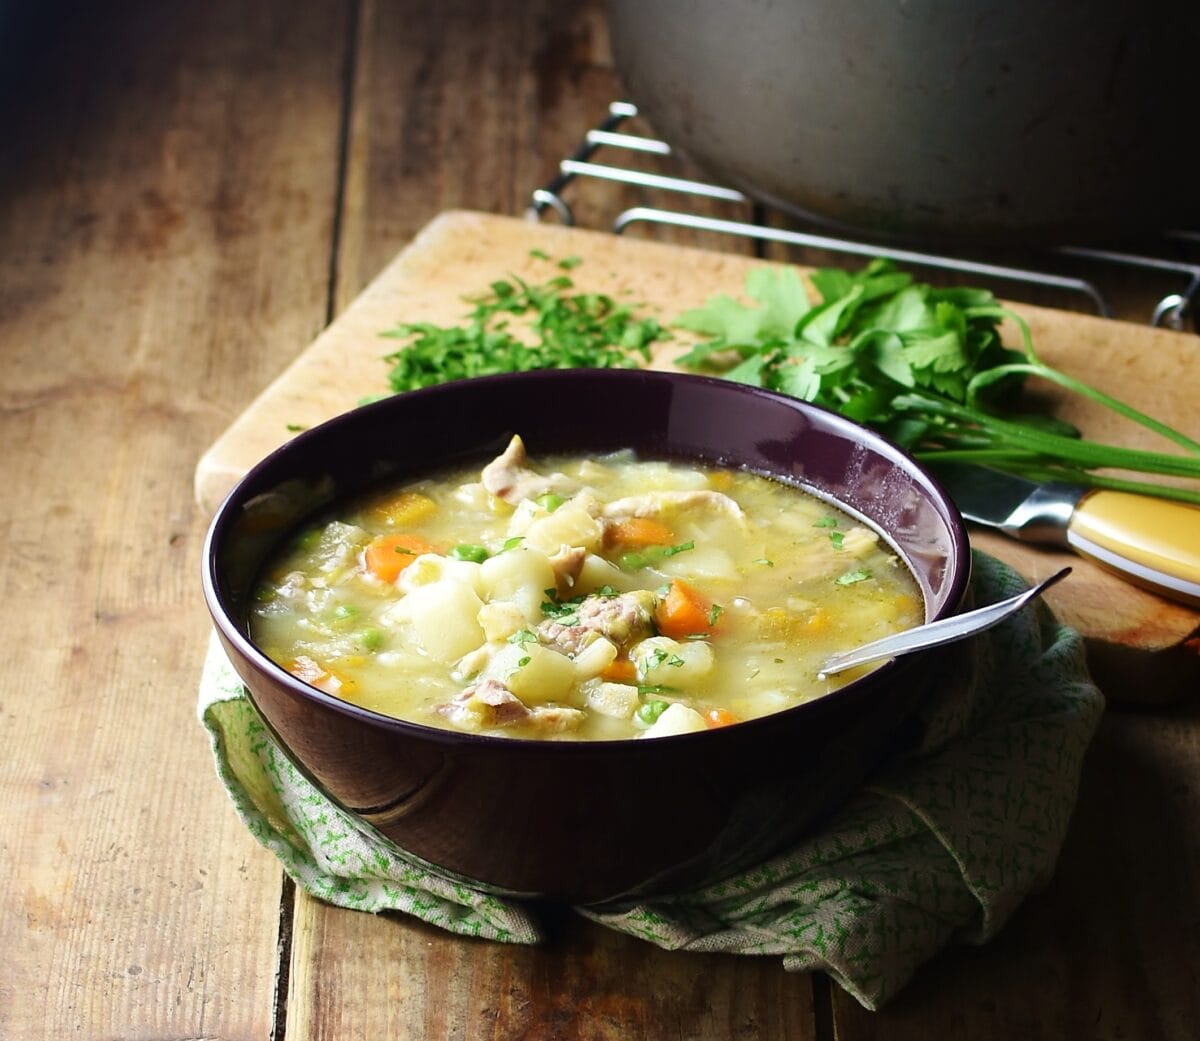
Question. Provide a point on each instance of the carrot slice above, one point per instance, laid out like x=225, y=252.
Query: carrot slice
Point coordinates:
x=620, y=670
x=719, y=717
x=388, y=555
x=638, y=532
x=684, y=612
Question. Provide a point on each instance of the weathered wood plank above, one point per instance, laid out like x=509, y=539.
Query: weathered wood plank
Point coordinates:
x=166, y=211
x=470, y=104
x=357, y=975
x=1110, y=950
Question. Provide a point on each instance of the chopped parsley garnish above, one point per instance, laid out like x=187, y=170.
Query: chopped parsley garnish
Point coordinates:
x=850, y=577
x=714, y=613
x=659, y=657
x=565, y=612
x=837, y=538
x=637, y=559
x=826, y=522
x=521, y=637
x=517, y=326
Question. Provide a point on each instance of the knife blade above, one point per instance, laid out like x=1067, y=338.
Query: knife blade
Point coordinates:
x=1153, y=543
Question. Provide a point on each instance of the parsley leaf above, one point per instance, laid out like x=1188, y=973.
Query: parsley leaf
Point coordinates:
x=925, y=366
x=635, y=560
x=850, y=577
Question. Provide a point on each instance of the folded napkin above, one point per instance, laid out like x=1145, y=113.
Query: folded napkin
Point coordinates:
x=940, y=847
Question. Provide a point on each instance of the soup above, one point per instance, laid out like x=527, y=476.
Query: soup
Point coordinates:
x=581, y=598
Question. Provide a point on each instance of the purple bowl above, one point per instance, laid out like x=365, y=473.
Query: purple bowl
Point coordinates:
x=579, y=821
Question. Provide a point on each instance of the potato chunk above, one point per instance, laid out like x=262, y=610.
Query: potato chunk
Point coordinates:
x=671, y=663
x=533, y=673
x=444, y=618
x=615, y=700
x=520, y=575
x=676, y=719
x=595, y=658
x=570, y=525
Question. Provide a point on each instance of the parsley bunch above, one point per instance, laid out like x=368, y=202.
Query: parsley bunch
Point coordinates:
x=556, y=327
x=922, y=365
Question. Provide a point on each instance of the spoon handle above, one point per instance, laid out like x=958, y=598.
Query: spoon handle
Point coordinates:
x=935, y=633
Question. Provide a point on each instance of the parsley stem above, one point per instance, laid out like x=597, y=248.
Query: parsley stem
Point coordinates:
x=1116, y=484
x=1054, y=376
x=1038, y=468
x=1024, y=439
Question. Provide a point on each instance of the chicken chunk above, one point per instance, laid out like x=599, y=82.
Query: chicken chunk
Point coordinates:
x=621, y=619
x=487, y=703
x=567, y=563
x=509, y=478
x=654, y=504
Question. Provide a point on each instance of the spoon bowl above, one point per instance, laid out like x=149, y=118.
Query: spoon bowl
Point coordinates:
x=933, y=634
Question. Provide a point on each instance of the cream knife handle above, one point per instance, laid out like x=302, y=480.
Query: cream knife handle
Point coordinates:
x=1152, y=542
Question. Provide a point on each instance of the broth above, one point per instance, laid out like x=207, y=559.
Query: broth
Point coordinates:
x=581, y=598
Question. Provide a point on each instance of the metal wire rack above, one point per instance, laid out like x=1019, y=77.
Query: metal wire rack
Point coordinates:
x=1172, y=270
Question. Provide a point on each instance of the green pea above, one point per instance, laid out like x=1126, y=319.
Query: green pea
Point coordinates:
x=469, y=551
x=372, y=639
x=651, y=710
x=345, y=611
x=550, y=501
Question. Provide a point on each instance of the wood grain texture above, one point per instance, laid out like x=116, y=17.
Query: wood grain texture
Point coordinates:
x=389, y=976
x=1110, y=949
x=188, y=193
x=163, y=158
x=471, y=104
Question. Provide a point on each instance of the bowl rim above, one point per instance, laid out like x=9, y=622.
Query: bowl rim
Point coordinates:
x=225, y=624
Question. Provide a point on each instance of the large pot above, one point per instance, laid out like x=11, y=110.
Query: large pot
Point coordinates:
x=934, y=118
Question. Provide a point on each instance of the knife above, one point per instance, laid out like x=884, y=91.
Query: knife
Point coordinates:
x=1151, y=542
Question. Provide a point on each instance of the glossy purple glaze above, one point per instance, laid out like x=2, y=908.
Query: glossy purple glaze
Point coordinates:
x=585, y=822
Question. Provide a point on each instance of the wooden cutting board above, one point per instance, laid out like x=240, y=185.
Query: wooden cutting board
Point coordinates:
x=1141, y=647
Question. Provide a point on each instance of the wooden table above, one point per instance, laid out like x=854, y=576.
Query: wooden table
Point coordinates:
x=190, y=192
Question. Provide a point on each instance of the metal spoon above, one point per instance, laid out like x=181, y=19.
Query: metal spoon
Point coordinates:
x=934, y=634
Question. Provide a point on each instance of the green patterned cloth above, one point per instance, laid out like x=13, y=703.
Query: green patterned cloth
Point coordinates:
x=938, y=849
